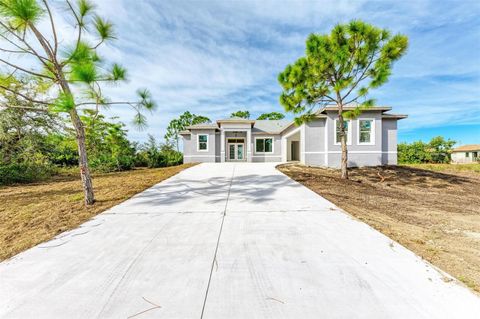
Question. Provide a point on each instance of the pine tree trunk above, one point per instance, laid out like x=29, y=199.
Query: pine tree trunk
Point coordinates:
x=344, y=157
x=343, y=140
x=76, y=121
x=82, y=158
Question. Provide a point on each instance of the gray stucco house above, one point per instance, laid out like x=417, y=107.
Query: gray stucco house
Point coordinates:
x=371, y=140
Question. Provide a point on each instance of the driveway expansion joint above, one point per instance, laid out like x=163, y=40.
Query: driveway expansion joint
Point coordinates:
x=214, y=261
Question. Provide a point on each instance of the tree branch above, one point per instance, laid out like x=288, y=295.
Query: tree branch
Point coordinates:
x=132, y=104
x=29, y=99
x=361, y=78
x=79, y=36
x=53, y=27
x=79, y=22
x=26, y=71
x=23, y=50
x=12, y=51
x=32, y=51
x=28, y=108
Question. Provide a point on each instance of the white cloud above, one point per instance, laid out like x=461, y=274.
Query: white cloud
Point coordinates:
x=213, y=57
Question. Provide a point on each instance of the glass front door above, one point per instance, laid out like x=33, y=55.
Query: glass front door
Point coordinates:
x=236, y=151
x=239, y=152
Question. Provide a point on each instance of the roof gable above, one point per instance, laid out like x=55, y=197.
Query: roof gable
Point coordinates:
x=270, y=126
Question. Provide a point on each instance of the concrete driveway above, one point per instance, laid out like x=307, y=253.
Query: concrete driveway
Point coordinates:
x=227, y=241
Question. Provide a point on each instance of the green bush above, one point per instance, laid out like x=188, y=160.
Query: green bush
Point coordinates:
x=25, y=172
x=438, y=150
x=173, y=158
x=106, y=164
x=63, y=149
x=153, y=154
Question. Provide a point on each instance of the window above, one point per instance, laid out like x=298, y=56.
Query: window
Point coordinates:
x=467, y=154
x=264, y=145
x=346, y=125
x=202, y=144
x=366, y=132
x=235, y=140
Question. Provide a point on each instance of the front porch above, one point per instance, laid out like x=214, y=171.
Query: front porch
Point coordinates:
x=293, y=146
x=235, y=145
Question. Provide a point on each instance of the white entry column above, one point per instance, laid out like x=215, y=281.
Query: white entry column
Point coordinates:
x=222, y=145
x=249, y=145
x=284, y=149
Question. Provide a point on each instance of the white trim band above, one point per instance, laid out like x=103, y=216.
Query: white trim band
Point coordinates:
x=353, y=152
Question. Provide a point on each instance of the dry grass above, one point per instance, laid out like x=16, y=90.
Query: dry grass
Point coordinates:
x=449, y=168
x=33, y=213
x=437, y=215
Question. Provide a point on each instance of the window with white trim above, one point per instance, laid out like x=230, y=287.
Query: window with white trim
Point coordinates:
x=202, y=142
x=346, y=125
x=366, y=131
x=264, y=145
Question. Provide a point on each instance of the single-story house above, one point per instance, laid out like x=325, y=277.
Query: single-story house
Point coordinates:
x=466, y=154
x=371, y=140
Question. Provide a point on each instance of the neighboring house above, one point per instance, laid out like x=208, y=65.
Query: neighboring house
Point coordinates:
x=371, y=140
x=466, y=154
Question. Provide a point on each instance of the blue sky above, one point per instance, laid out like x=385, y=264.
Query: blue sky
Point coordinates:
x=213, y=57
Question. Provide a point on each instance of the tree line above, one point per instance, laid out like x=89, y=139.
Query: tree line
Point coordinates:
x=37, y=146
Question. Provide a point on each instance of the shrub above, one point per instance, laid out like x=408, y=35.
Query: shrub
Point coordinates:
x=154, y=155
x=438, y=150
x=62, y=150
x=106, y=164
x=25, y=172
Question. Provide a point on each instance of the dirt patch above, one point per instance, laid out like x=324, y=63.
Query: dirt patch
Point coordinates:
x=437, y=215
x=33, y=213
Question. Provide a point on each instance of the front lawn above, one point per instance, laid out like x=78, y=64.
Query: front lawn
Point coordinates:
x=435, y=214
x=33, y=213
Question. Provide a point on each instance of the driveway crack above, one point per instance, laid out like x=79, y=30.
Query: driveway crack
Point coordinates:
x=214, y=261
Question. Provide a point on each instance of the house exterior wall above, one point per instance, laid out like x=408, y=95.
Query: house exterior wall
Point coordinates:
x=234, y=126
x=191, y=154
x=461, y=157
x=317, y=142
x=358, y=154
x=389, y=142
x=233, y=134
x=276, y=156
x=314, y=146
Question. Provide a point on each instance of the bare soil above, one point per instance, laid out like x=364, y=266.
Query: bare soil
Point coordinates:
x=33, y=213
x=435, y=214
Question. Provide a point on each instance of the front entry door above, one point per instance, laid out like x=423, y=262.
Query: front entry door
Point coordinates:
x=236, y=152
